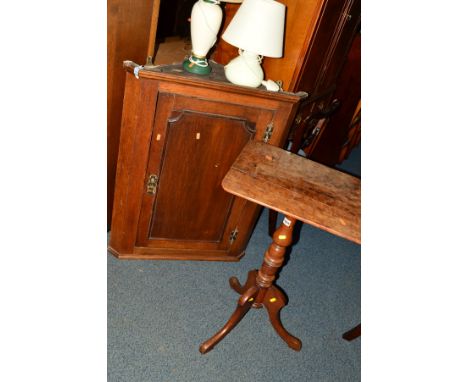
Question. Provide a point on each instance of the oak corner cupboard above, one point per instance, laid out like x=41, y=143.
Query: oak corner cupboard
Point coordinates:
x=180, y=134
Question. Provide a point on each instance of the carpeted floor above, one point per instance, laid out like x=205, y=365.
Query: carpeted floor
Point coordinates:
x=160, y=311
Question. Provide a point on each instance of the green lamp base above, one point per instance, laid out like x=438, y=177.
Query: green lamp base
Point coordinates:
x=197, y=65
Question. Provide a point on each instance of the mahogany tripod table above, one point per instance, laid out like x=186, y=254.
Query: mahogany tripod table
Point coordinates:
x=301, y=190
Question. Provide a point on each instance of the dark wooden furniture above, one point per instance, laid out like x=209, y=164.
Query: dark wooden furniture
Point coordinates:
x=180, y=135
x=353, y=333
x=342, y=132
x=131, y=35
x=317, y=39
x=302, y=190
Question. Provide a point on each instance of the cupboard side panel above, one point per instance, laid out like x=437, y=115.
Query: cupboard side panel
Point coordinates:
x=137, y=120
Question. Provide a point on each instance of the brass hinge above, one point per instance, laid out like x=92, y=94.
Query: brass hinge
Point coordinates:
x=233, y=235
x=152, y=184
x=268, y=132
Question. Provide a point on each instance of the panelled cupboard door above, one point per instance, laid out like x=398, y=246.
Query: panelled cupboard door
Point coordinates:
x=193, y=146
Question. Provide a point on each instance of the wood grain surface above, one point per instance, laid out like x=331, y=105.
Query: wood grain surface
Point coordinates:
x=298, y=187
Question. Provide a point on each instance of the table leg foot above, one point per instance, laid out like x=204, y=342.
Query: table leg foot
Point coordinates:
x=353, y=333
x=235, y=284
x=238, y=314
x=274, y=301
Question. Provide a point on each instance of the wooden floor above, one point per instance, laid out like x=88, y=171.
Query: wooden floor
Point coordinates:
x=172, y=50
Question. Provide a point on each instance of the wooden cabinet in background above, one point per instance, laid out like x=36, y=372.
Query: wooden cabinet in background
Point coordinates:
x=318, y=36
x=180, y=135
x=342, y=133
x=131, y=34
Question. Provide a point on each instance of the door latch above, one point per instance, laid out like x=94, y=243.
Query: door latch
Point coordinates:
x=268, y=132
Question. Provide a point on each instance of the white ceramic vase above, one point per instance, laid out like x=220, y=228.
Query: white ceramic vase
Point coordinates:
x=204, y=26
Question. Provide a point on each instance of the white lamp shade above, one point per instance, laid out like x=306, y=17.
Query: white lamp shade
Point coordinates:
x=258, y=27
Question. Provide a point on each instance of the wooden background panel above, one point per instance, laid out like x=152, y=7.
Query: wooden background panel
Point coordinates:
x=301, y=19
x=131, y=33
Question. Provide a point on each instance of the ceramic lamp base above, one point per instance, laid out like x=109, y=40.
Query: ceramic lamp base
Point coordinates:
x=245, y=69
x=197, y=65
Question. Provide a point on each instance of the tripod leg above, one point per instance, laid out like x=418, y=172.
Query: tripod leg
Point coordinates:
x=258, y=290
x=274, y=301
x=353, y=333
x=238, y=314
x=236, y=285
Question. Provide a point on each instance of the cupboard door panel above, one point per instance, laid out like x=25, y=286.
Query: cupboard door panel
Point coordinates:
x=194, y=143
x=190, y=203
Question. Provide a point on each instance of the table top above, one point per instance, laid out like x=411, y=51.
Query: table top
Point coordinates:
x=298, y=187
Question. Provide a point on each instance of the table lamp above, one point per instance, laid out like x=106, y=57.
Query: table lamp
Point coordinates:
x=257, y=29
x=205, y=22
